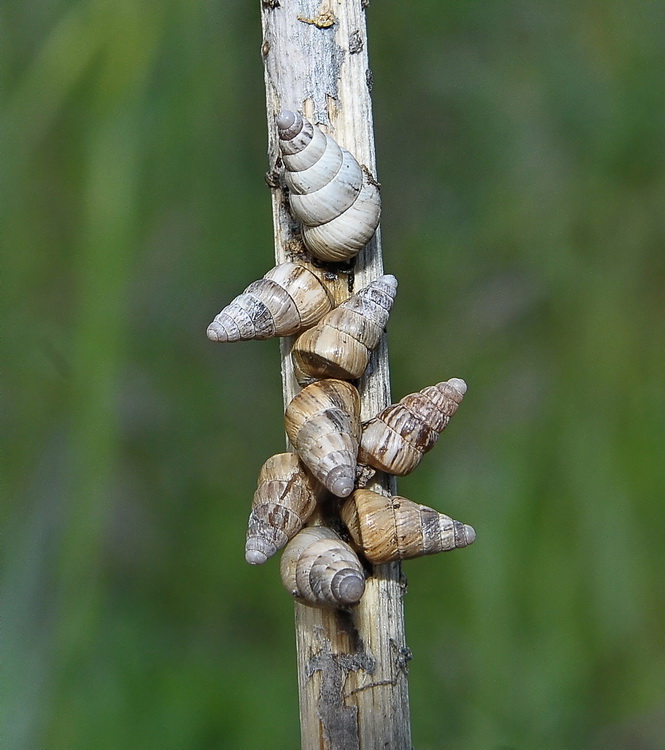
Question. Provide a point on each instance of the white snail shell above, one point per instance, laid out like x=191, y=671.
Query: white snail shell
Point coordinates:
x=321, y=570
x=340, y=344
x=323, y=425
x=330, y=193
x=398, y=437
x=386, y=529
x=285, y=497
x=288, y=299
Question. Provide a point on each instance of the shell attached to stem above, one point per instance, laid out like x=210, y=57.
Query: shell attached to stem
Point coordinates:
x=332, y=196
x=284, y=499
x=321, y=570
x=288, y=299
x=398, y=437
x=340, y=344
x=385, y=529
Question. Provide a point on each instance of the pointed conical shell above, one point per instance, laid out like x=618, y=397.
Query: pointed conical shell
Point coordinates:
x=321, y=570
x=385, y=529
x=323, y=425
x=340, y=344
x=334, y=198
x=398, y=437
x=288, y=299
x=284, y=499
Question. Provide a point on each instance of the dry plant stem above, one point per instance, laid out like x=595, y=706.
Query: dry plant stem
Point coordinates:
x=352, y=666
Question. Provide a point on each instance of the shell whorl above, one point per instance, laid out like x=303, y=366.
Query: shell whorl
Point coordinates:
x=285, y=497
x=340, y=344
x=330, y=193
x=323, y=425
x=397, y=438
x=386, y=529
x=288, y=299
x=321, y=570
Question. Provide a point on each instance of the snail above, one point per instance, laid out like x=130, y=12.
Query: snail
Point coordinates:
x=285, y=497
x=320, y=569
x=323, y=425
x=332, y=196
x=386, y=529
x=288, y=299
x=397, y=438
x=340, y=344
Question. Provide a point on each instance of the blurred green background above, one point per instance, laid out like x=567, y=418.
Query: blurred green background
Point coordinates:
x=521, y=149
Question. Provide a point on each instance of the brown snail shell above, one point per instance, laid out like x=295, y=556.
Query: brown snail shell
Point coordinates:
x=340, y=344
x=385, y=529
x=288, y=299
x=323, y=425
x=321, y=570
x=330, y=193
x=398, y=437
x=285, y=497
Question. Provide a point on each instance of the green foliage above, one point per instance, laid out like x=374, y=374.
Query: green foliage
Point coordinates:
x=522, y=159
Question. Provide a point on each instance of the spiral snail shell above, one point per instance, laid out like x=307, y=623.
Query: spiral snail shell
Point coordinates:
x=386, y=529
x=285, y=497
x=323, y=425
x=321, y=570
x=330, y=193
x=288, y=299
x=340, y=344
x=398, y=437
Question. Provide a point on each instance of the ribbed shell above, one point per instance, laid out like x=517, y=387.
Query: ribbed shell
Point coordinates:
x=385, y=529
x=323, y=425
x=285, y=497
x=340, y=344
x=321, y=570
x=288, y=299
x=334, y=198
x=398, y=437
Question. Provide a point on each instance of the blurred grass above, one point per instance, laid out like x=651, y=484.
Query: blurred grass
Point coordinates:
x=522, y=157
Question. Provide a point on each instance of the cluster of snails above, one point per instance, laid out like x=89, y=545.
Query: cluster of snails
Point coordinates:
x=338, y=205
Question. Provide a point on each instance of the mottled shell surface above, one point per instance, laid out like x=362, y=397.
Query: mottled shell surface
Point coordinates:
x=398, y=437
x=385, y=529
x=323, y=425
x=285, y=497
x=332, y=196
x=321, y=570
x=287, y=300
x=340, y=344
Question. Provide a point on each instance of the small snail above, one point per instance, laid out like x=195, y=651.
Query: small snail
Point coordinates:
x=323, y=425
x=394, y=528
x=321, y=570
x=330, y=193
x=288, y=299
x=285, y=497
x=340, y=344
x=398, y=437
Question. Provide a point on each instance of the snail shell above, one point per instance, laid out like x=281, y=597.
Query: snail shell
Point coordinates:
x=319, y=569
x=340, y=344
x=288, y=299
x=398, y=437
x=330, y=193
x=394, y=528
x=323, y=425
x=285, y=497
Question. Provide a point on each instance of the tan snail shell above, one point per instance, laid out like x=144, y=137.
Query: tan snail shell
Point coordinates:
x=323, y=425
x=340, y=344
x=330, y=193
x=288, y=299
x=385, y=529
x=321, y=570
x=285, y=497
x=398, y=437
